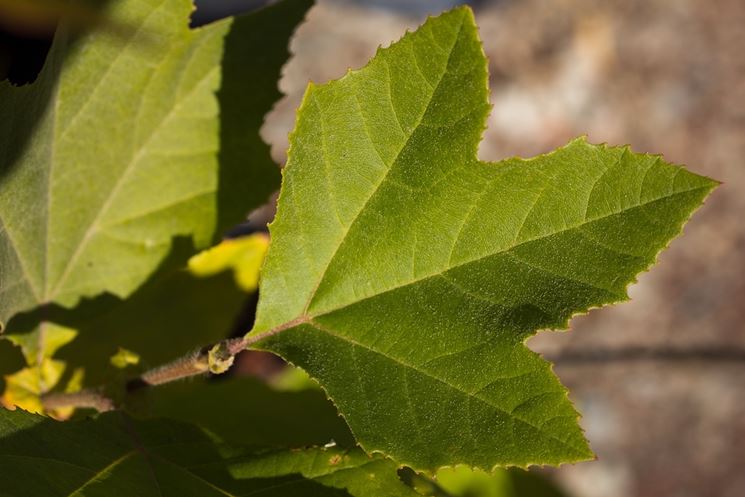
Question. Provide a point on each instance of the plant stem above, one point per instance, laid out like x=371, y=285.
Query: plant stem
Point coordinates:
x=192, y=364
x=214, y=359
x=84, y=399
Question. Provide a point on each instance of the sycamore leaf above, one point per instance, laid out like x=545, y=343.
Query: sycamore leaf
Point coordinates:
x=405, y=275
x=353, y=471
x=125, y=142
x=118, y=455
x=170, y=313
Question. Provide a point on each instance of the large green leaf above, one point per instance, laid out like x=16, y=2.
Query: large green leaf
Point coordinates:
x=405, y=275
x=125, y=142
x=117, y=455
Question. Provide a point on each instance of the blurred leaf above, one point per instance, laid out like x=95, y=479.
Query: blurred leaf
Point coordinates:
x=34, y=350
x=243, y=255
x=354, y=471
x=117, y=455
x=292, y=379
x=461, y=481
x=162, y=320
x=124, y=358
x=11, y=361
x=405, y=275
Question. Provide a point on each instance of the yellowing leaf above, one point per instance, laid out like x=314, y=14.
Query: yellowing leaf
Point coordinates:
x=244, y=256
x=124, y=358
x=24, y=388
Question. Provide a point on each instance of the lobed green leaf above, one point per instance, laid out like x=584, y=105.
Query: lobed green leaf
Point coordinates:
x=405, y=275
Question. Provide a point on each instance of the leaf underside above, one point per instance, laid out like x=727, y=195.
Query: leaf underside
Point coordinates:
x=405, y=275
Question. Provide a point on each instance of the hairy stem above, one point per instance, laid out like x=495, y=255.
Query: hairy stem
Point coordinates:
x=84, y=399
x=192, y=364
x=214, y=359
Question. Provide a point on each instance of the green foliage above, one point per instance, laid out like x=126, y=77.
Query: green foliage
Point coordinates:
x=462, y=481
x=155, y=141
x=405, y=275
x=195, y=308
x=123, y=144
x=118, y=455
x=162, y=320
